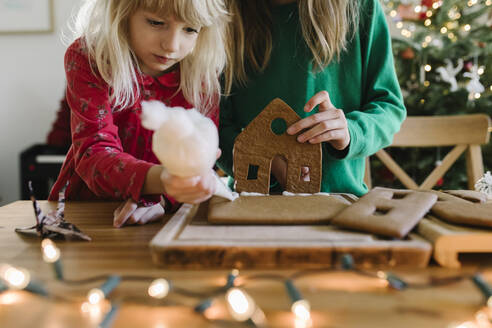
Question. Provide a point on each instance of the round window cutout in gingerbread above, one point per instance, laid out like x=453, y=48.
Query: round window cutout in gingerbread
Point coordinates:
x=278, y=126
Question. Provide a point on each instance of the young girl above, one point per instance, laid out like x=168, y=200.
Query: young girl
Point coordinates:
x=129, y=51
x=333, y=55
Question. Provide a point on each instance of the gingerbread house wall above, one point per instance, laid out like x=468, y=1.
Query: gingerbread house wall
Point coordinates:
x=257, y=145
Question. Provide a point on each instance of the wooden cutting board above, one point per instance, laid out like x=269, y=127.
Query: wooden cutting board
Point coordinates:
x=188, y=240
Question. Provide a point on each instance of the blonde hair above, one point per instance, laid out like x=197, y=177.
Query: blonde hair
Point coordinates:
x=103, y=25
x=327, y=26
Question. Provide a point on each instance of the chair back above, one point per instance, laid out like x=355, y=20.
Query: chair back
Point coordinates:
x=465, y=132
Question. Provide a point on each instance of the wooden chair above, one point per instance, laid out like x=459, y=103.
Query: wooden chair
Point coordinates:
x=464, y=132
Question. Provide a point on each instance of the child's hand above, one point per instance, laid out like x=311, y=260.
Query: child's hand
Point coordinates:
x=329, y=124
x=130, y=213
x=192, y=190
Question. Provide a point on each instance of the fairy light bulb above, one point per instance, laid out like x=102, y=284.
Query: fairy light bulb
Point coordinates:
x=427, y=22
x=418, y=8
x=428, y=68
x=392, y=280
x=444, y=30
x=393, y=13
x=16, y=278
x=302, y=310
x=300, y=307
x=240, y=304
x=231, y=278
x=95, y=296
x=467, y=27
x=159, y=288
x=51, y=253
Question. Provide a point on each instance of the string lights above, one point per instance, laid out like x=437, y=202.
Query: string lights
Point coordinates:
x=485, y=288
x=109, y=317
x=239, y=303
x=97, y=295
x=300, y=307
x=15, y=278
x=159, y=288
x=20, y=279
x=393, y=281
x=51, y=254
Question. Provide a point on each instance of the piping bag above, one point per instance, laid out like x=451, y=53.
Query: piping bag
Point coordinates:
x=184, y=141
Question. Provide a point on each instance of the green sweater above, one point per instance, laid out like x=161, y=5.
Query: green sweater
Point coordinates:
x=363, y=83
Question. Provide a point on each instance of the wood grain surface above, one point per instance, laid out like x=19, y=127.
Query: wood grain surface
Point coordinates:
x=338, y=299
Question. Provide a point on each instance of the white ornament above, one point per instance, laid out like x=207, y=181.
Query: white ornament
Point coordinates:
x=484, y=185
x=184, y=141
x=474, y=86
x=448, y=74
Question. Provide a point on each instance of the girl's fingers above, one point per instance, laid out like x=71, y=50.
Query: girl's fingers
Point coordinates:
x=118, y=210
x=322, y=99
x=312, y=120
x=153, y=213
x=331, y=135
x=126, y=211
x=320, y=128
x=219, y=153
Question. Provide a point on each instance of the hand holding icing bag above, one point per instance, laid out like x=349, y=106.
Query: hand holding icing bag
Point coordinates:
x=184, y=141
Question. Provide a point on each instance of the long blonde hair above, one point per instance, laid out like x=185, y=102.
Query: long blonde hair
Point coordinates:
x=327, y=26
x=103, y=24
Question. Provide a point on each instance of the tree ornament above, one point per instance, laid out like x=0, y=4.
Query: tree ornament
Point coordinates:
x=448, y=73
x=484, y=185
x=407, y=12
x=408, y=53
x=474, y=86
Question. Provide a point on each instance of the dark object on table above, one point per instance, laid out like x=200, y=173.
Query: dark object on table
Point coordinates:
x=53, y=225
x=40, y=164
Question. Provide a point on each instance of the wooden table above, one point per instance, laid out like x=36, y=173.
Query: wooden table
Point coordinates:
x=338, y=299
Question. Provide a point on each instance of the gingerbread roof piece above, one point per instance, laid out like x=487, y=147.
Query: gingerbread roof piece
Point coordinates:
x=387, y=212
x=263, y=139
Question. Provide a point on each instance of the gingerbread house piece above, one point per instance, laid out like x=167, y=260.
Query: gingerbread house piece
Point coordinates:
x=263, y=139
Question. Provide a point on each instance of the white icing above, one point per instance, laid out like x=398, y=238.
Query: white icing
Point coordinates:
x=246, y=194
x=286, y=193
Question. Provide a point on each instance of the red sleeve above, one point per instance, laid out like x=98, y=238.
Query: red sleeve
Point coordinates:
x=98, y=154
x=59, y=134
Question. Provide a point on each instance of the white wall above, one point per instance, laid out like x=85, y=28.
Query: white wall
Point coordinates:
x=31, y=85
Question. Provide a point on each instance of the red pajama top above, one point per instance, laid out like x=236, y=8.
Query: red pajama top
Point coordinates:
x=111, y=151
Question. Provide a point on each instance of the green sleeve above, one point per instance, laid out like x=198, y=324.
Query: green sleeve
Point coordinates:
x=382, y=112
x=228, y=132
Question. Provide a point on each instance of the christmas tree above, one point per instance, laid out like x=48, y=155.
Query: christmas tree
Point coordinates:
x=442, y=56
